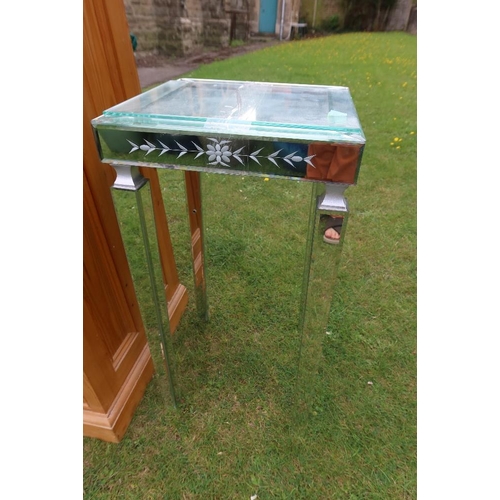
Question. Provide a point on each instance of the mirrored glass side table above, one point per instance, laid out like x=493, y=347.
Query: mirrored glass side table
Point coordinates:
x=306, y=133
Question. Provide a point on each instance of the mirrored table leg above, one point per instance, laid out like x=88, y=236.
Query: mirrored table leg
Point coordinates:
x=328, y=210
x=195, y=213
x=134, y=208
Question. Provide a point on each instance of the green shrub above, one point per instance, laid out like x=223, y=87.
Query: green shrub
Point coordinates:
x=331, y=24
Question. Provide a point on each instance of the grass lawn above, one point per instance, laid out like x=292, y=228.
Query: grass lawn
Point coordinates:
x=233, y=435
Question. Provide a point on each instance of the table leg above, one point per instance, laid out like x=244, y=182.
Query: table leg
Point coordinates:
x=320, y=271
x=194, y=202
x=130, y=180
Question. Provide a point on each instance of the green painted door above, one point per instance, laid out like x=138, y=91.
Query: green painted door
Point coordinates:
x=267, y=16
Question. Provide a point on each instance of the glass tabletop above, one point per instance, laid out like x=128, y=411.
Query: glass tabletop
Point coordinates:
x=249, y=109
x=305, y=132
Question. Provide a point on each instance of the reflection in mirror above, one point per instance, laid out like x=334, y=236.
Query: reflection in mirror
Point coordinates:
x=334, y=163
x=326, y=232
x=135, y=214
x=315, y=161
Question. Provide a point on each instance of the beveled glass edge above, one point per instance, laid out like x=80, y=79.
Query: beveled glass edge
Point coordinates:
x=181, y=125
x=182, y=82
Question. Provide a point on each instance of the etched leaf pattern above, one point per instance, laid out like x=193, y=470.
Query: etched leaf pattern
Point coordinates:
x=219, y=153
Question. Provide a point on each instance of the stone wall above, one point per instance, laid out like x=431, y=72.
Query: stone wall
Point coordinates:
x=177, y=27
x=398, y=18
x=412, y=21
x=182, y=27
x=142, y=23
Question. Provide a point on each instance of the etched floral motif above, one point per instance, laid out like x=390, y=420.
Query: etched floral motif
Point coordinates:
x=219, y=153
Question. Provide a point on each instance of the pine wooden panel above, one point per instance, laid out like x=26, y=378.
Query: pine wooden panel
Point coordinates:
x=116, y=55
x=111, y=426
x=117, y=362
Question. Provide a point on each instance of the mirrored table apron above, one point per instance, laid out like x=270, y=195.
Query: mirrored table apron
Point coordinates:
x=306, y=133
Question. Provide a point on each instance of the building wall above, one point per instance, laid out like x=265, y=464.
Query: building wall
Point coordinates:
x=290, y=14
x=177, y=27
x=142, y=22
x=182, y=27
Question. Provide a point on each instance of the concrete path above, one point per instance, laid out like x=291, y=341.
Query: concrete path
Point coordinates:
x=150, y=76
x=154, y=69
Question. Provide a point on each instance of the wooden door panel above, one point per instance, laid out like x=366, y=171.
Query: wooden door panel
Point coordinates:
x=117, y=362
x=115, y=333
